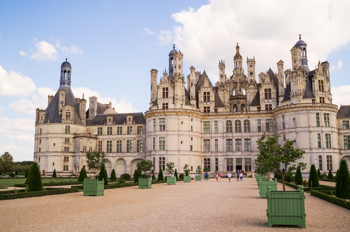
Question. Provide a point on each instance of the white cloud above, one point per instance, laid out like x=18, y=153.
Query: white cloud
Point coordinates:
x=40, y=99
x=340, y=64
x=341, y=95
x=210, y=33
x=75, y=50
x=45, y=51
x=15, y=84
x=23, y=53
x=23, y=106
x=148, y=31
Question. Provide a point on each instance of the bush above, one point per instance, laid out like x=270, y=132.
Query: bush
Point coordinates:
x=318, y=173
x=113, y=176
x=330, y=175
x=81, y=175
x=121, y=181
x=12, y=174
x=54, y=174
x=25, y=175
x=125, y=176
x=153, y=176
x=103, y=175
x=298, y=177
x=313, y=180
x=343, y=181
x=335, y=200
x=160, y=175
x=305, y=183
x=181, y=176
x=34, y=179
x=136, y=176
x=324, y=176
x=175, y=175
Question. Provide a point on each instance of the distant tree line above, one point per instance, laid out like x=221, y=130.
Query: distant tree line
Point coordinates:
x=8, y=166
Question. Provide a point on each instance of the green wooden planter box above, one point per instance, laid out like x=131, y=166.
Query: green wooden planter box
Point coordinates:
x=286, y=208
x=198, y=177
x=171, y=180
x=187, y=179
x=263, y=185
x=214, y=176
x=93, y=187
x=145, y=183
x=262, y=178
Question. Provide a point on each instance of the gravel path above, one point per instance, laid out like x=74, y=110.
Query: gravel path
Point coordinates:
x=196, y=206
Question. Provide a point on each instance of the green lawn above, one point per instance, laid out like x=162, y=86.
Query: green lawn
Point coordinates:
x=10, y=182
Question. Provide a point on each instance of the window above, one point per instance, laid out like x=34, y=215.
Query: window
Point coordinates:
x=207, y=163
x=162, y=124
x=259, y=125
x=239, y=162
x=99, y=131
x=238, y=145
x=321, y=99
x=269, y=125
x=248, y=164
x=100, y=146
x=119, y=146
x=238, y=126
x=109, y=146
x=165, y=106
x=66, y=140
x=191, y=147
x=206, y=109
x=53, y=164
x=90, y=149
x=246, y=125
x=346, y=142
x=267, y=93
x=329, y=162
x=161, y=143
x=139, y=145
x=154, y=124
x=268, y=107
x=67, y=130
x=216, y=126
x=109, y=130
x=317, y=119
x=191, y=128
x=154, y=163
x=320, y=86
x=162, y=163
x=283, y=126
x=65, y=167
x=129, y=130
x=154, y=144
x=320, y=162
x=259, y=108
x=216, y=164
x=67, y=115
x=228, y=145
x=206, y=147
x=119, y=130
x=66, y=159
x=39, y=141
x=129, y=146
x=215, y=110
x=66, y=149
x=206, y=96
x=84, y=148
x=319, y=140
x=216, y=145
x=139, y=130
x=247, y=145
x=228, y=126
x=229, y=163
x=165, y=92
x=328, y=140
x=345, y=125
x=206, y=127
x=326, y=120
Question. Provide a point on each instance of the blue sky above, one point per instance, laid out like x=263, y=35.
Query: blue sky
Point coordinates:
x=113, y=45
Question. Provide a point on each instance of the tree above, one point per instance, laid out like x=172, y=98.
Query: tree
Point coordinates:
x=330, y=175
x=160, y=175
x=313, y=180
x=82, y=175
x=95, y=160
x=298, y=177
x=318, y=173
x=342, y=187
x=186, y=169
x=34, y=179
x=199, y=169
x=26, y=174
x=103, y=175
x=136, y=176
x=175, y=174
x=113, y=176
x=153, y=176
x=54, y=174
x=6, y=162
x=170, y=167
x=144, y=166
x=206, y=169
x=277, y=158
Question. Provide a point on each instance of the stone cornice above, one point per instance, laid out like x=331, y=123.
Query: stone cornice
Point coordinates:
x=305, y=107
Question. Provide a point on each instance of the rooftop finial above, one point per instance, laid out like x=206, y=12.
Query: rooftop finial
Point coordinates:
x=299, y=36
x=66, y=59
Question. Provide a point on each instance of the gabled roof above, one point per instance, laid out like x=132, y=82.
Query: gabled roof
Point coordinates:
x=218, y=101
x=308, y=90
x=119, y=119
x=287, y=93
x=256, y=99
x=344, y=112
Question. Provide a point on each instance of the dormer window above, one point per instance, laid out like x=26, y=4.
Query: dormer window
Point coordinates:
x=165, y=92
x=206, y=97
x=320, y=86
x=67, y=115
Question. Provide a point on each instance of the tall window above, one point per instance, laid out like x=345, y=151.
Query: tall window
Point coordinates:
x=239, y=162
x=229, y=162
x=109, y=146
x=66, y=149
x=129, y=130
x=216, y=127
x=139, y=130
x=40, y=131
x=207, y=163
x=154, y=144
x=161, y=143
x=216, y=145
x=317, y=119
x=319, y=140
x=65, y=167
x=238, y=126
x=100, y=146
x=67, y=115
x=129, y=146
x=320, y=162
x=248, y=164
x=216, y=164
x=267, y=93
x=206, y=147
x=154, y=124
x=238, y=145
x=154, y=163
x=109, y=130
x=119, y=130
x=67, y=130
x=247, y=145
x=228, y=145
x=119, y=146
x=228, y=126
x=259, y=125
x=84, y=148
x=346, y=142
x=165, y=106
x=162, y=163
x=99, y=130
x=328, y=140
x=320, y=86
x=346, y=124
x=269, y=125
x=139, y=145
x=246, y=125
x=326, y=120
x=268, y=106
x=66, y=140
x=206, y=109
x=206, y=127
x=321, y=99
x=165, y=92
x=191, y=147
x=329, y=162
x=206, y=97
x=162, y=124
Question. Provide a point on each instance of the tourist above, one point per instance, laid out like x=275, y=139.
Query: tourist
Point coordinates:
x=206, y=176
x=217, y=176
x=229, y=175
x=241, y=175
x=237, y=175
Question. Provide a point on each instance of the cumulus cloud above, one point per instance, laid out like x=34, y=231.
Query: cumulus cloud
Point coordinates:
x=341, y=95
x=340, y=64
x=23, y=106
x=75, y=50
x=15, y=84
x=40, y=99
x=14, y=128
x=210, y=33
x=45, y=51
x=148, y=31
x=23, y=53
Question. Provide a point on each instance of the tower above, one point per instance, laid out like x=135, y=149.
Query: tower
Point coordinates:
x=175, y=62
x=251, y=69
x=154, y=86
x=237, y=61
x=280, y=78
x=222, y=71
x=299, y=55
x=66, y=70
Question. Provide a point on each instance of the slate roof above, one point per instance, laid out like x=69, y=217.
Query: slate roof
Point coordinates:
x=344, y=112
x=187, y=98
x=119, y=119
x=256, y=99
x=200, y=82
x=287, y=93
x=308, y=90
x=218, y=101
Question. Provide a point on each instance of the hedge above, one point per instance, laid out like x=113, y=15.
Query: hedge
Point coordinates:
x=53, y=183
x=332, y=199
x=23, y=194
x=113, y=186
x=322, y=187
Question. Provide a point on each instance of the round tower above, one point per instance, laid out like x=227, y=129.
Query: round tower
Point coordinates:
x=66, y=70
x=303, y=46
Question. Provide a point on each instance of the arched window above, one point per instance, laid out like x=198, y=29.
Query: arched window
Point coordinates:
x=228, y=126
x=234, y=108
x=246, y=125
x=238, y=126
x=242, y=107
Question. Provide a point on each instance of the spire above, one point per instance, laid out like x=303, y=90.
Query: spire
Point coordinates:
x=299, y=36
x=238, y=55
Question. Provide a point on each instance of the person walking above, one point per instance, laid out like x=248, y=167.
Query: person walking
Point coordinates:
x=237, y=175
x=229, y=175
x=206, y=176
x=241, y=175
x=219, y=177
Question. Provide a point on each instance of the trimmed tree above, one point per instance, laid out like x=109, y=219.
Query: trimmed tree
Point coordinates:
x=319, y=173
x=103, y=175
x=136, y=176
x=26, y=174
x=342, y=188
x=170, y=168
x=160, y=175
x=330, y=175
x=298, y=177
x=144, y=166
x=313, y=180
x=95, y=160
x=34, y=179
x=82, y=175
x=54, y=174
x=175, y=174
x=113, y=176
x=186, y=169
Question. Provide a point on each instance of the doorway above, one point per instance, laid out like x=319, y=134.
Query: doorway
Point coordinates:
x=238, y=167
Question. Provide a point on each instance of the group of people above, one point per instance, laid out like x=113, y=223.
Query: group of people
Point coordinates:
x=238, y=174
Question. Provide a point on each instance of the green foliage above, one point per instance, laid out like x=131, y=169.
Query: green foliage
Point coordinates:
x=298, y=177
x=144, y=166
x=113, y=176
x=136, y=176
x=121, y=181
x=6, y=162
x=206, y=169
x=313, y=180
x=288, y=176
x=34, y=179
x=335, y=200
x=26, y=174
x=12, y=174
x=23, y=194
x=186, y=169
x=324, y=176
x=330, y=175
x=95, y=160
x=54, y=174
x=125, y=176
x=153, y=176
x=160, y=175
x=82, y=175
x=199, y=170
x=305, y=183
x=343, y=181
x=175, y=174
x=170, y=167
x=319, y=173
x=181, y=176
x=103, y=175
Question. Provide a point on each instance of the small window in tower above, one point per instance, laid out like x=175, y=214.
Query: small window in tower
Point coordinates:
x=179, y=66
x=222, y=76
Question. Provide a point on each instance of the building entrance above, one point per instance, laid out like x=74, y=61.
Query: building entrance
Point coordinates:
x=238, y=167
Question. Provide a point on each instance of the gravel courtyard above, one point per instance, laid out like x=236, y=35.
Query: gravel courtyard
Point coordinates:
x=196, y=206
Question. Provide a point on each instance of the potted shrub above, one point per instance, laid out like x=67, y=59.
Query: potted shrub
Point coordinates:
x=170, y=169
x=95, y=161
x=199, y=176
x=145, y=166
x=283, y=208
x=187, y=178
